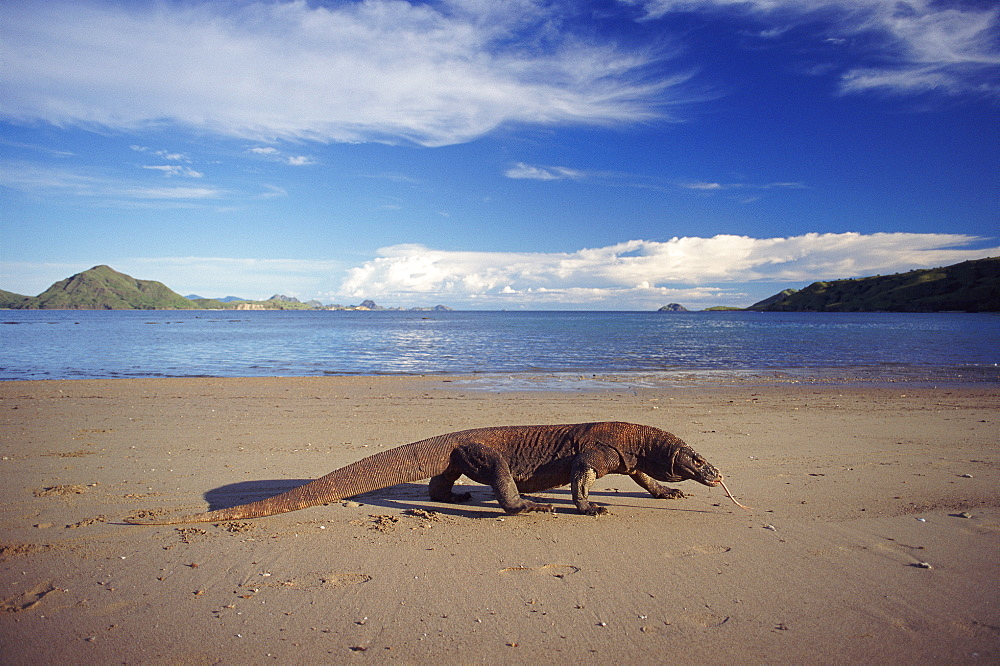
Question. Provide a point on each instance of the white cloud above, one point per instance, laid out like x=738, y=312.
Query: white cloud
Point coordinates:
x=276, y=155
x=165, y=154
x=645, y=271
x=912, y=45
x=175, y=170
x=538, y=172
x=379, y=70
x=704, y=186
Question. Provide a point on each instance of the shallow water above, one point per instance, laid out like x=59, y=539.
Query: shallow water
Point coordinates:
x=563, y=346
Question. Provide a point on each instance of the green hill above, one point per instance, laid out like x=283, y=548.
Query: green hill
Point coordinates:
x=971, y=286
x=208, y=303
x=771, y=300
x=103, y=288
x=9, y=299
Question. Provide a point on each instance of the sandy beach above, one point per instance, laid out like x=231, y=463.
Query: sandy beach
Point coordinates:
x=873, y=534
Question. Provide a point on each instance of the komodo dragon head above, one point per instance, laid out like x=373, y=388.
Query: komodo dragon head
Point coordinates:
x=682, y=463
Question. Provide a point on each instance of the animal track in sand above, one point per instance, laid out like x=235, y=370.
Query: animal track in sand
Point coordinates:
x=379, y=523
x=698, y=550
x=707, y=619
x=88, y=522
x=143, y=514
x=60, y=490
x=328, y=581
x=70, y=454
x=12, y=550
x=238, y=527
x=190, y=534
x=556, y=570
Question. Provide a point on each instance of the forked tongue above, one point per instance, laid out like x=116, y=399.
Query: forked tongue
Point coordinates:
x=730, y=496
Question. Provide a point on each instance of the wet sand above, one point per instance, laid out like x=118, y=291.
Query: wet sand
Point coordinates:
x=873, y=536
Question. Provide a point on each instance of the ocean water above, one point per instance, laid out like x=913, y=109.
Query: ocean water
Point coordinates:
x=53, y=344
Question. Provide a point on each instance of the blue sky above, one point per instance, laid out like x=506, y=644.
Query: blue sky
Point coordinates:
x=522, y=155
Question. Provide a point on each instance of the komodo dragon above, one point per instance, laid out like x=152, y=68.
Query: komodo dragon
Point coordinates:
x=511, y=459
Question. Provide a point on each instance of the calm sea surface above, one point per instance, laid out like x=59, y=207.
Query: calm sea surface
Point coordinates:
x=870, y=346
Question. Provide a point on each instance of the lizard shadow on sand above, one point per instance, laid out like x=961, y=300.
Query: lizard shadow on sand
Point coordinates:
x=402, y=496
x=414, y=495
x=233, y=494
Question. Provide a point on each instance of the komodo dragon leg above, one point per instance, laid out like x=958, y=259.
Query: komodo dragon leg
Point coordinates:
x=440, y=487
x=655, y=489
x=588, y=466
x=484, y=464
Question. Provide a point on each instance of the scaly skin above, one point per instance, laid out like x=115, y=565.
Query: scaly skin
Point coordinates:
x=511, y=459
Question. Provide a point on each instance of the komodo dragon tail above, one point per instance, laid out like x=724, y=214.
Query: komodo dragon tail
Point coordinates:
x=403, y=464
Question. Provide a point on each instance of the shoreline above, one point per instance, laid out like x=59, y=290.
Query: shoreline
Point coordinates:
x=970, y=376
x=852, y=488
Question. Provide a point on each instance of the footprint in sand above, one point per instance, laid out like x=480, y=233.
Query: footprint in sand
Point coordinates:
x=27, y=600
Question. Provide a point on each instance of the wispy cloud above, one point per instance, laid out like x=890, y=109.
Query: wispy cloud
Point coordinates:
x=276, y=155
x=634, y=272
x=381, y=70
x=171, y=193
x=272, y=192
x=538, y=172
x=708, y=186
x=217, y=277
x=542, y=172
x=394, y=178
x=98, y=186
x=45, y=150
x=898, y=46
x=175, y=170
x=165, y=154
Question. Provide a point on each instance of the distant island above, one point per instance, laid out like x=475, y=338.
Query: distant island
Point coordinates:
x=103, y=288
x=971, y=286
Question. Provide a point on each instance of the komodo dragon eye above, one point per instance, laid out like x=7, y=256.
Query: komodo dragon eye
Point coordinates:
x=698, y=463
